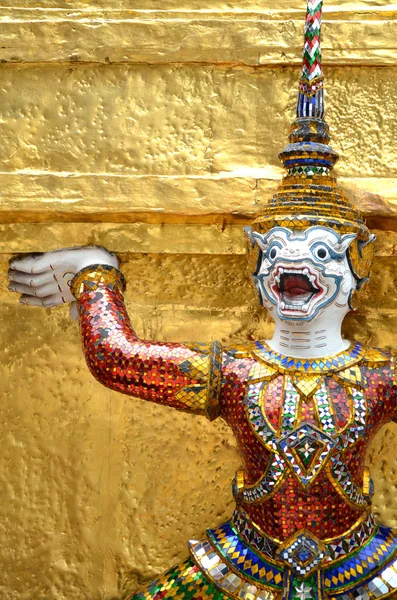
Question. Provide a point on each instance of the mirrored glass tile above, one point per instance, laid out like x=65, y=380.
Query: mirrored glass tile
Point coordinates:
x=219, y=571
x=202, y=548
x=378, y=587
x=390, y=576
x=360, y=594
x=209, y=560
x=264, y=595
x=231, y=582
x=248, y=591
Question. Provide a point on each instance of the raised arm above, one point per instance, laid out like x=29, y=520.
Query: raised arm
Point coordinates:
x=184, y=376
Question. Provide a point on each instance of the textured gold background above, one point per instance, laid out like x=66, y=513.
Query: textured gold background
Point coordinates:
x=153, y=128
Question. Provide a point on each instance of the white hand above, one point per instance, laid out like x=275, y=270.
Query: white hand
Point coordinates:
x=44, y=280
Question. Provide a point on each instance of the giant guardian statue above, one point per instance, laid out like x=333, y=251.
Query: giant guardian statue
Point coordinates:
x=304, y=405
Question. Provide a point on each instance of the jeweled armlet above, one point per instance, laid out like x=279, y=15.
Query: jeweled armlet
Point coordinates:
x=206, y=368
x=92, y=276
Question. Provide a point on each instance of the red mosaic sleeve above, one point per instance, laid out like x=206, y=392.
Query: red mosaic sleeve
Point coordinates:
x=379, y=368
x=184, y=376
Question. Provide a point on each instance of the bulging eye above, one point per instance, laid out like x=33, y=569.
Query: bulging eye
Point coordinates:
x=273, y=252
x=321, y=252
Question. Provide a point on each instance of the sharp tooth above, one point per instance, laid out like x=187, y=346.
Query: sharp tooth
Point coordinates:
x=282, y=305
x=281, y=270
x=305, y=307
x=277, y=278
x=305, y=271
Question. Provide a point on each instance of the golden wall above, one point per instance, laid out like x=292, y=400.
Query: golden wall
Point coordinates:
x=152, y=127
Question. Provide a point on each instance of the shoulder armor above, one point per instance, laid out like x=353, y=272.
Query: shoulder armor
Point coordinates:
x=237, y=351
x=374, y=357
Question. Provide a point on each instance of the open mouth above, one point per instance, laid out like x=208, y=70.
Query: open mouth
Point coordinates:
x=296, y=288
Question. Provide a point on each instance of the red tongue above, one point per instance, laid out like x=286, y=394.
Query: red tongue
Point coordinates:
x=296, y=284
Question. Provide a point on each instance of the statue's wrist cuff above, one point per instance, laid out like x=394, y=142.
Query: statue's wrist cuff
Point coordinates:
x=93, y=276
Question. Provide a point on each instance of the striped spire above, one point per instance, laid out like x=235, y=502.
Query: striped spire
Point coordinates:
x=308, y=153
x=308, y=194
x=311, y=93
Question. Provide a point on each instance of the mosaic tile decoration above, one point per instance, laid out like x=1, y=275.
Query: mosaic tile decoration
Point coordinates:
x=362, y=566
x=304, y=554
x=306, y=450
x=183, y=582
x=185, y=377
x=335, y=549
x=231, y=582
x=303, y=527
x=224, y=557
x=382, y=586
x=253, y=564
x=243, y=559
x=284, y=363
x=268, y=483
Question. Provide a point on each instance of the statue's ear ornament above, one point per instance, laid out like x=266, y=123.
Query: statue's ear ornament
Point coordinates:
x=308, y=194
x=360, y=255
x=254, y=251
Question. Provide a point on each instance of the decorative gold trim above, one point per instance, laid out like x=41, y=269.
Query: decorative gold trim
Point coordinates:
x=265, y=497
x=206, y=368
x=93, y=276
x=374, y=358
x=341, y=491
x=214, y=382
x=278, y=359
x=351, y=376
x=272, y=594
x=277, y=541
x=240, y=481
x=375, y=573
x=307, y=385
x=292, y=538
x=366, y=481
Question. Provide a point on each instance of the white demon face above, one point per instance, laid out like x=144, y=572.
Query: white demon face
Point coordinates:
x=300, y=273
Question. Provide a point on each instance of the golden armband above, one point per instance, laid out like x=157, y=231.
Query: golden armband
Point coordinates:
x=91, y=277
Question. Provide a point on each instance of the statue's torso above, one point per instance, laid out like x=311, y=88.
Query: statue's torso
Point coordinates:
x=303, y=526
x=303, y=429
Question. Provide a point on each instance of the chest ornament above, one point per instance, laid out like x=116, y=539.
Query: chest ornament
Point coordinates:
x=307, y=450
x=304, y=448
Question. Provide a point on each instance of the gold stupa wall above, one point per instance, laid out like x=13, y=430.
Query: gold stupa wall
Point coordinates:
x=153, y=128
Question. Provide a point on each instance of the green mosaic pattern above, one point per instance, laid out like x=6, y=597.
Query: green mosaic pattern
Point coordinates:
x=309, y=171
x=182, y=581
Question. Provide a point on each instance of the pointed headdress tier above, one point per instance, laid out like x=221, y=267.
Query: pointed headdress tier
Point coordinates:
x=308, y=194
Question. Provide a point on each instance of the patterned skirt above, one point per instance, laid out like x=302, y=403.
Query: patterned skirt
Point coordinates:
x=224, y=565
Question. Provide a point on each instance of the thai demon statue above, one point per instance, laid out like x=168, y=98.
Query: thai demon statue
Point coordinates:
x=304, y=406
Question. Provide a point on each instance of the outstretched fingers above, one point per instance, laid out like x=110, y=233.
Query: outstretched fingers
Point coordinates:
x=39, y=263
x=39, y=292
x=34, y=281
x=48, y=302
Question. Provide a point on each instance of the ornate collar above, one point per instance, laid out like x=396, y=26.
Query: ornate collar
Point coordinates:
x=326, y=364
